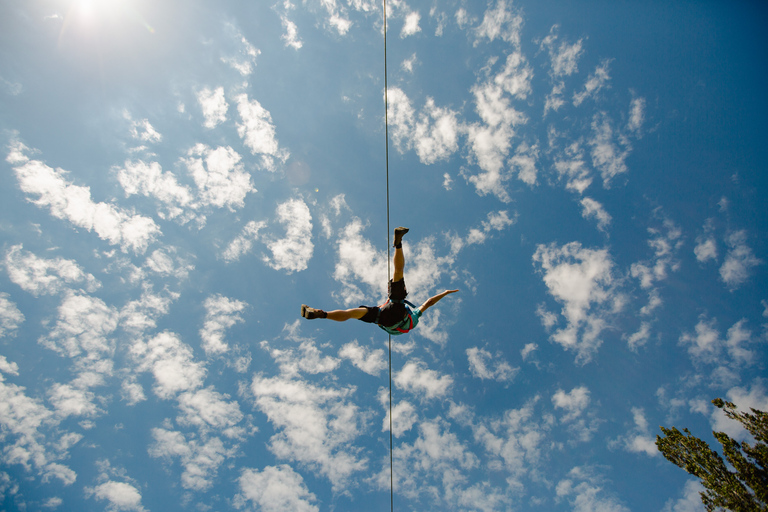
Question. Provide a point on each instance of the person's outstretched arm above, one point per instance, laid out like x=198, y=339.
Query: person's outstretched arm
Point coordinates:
x=434, y=300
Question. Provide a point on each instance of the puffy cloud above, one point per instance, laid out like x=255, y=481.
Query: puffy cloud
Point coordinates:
x=411, y=25
x=245, y=60
x=564, y=58
x=592, y=209
x=26, y=437
x=171, y=362
x=585, y=491
x=499, y=22
x=199, y=457
x=149, y=179
x=221, y=313
x=739, y=261
x=258, y=132
x=209, y=410
x=140, y=315
x=165, y=263
x=143, y=130
x=291, y=35
x=119, y=495
x=419, y=380
x=571, y=167
x=314, y=425
x=574, y=403
x=639, y=439
x=71, y=400
x=359, y=261
x=219, y=175
x=594, y=84
x=608, y=157
x=243, y=243
x=213, y=105
x=636, y=115
x=690, y=501
x=484, y=365
x=706, y=345
x=73, y=203
x=404, y=415
x=581, y=279
x=307, y=358
x=524, y=162
x=706, y=249
x=84, y=327
x=372, y=362
x=10, y=316
x=432, y=133
x=293, y=252
x=275, y=489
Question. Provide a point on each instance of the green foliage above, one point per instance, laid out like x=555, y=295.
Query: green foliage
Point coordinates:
x=740, y=485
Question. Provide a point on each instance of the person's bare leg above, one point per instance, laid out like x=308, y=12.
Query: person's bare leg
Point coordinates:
x=434, y=300
x=342, y=315
x=399, y=262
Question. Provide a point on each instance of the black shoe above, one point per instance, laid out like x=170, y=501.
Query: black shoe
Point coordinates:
x=399, y=232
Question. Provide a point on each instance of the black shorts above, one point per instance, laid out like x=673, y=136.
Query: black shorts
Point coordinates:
x=392, y=313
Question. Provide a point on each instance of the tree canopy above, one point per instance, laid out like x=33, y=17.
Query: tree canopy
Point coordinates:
x=739, y=485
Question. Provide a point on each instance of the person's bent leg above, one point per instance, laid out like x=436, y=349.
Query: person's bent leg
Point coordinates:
x=342, y=315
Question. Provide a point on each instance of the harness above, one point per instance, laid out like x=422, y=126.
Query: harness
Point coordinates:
x=399, y=328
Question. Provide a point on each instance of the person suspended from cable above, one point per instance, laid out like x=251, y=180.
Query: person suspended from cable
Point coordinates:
x=396, y=315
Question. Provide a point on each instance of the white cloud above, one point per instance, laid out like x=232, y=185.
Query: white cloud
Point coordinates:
x=524, y=162
x=528, y=349
x=71, y=400
x=221, y=313
x=246, y=60
x=314, y=426
x=593, y=209
x=8, y=367
x=293, y=252
x=243, y=243
x=219, y=175
x=636, y=115
x=594, y=84
x=359, y=261
x=571, y=166
x=500, y=23
x=307, y=358
x=706, y=249
x=199, y=457
x=739, y=261
x=148, y=179
x=407, y=64
x=411, y=25
x=26, y=437
x=140, y=315
x=563, y=58
x=372, y=362
x=171, y=362
x=574, y=403
x=119, y=495
x=404, y=414
x=690, y=501
x=639, y=338
x=586, y=492
x=291, y=35
x=10, y=316
x=432, y=133
x=608, y=157
x=73, y=203
x=581, y=279
x=485, y=365
x=143, y=130
x=275, y=489
x=213, y=105
x=435, y=460
x=84, y=327
x=639, y=439
x=258, y=133
x=754, y=397
x=419, y=380
x=707, y=346
x=165, y=263
x=209, y=410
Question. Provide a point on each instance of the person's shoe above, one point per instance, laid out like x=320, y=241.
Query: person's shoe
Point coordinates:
x=311, y=313
x=399, y=232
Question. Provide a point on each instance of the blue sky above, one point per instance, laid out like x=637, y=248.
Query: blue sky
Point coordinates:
x=179, y=177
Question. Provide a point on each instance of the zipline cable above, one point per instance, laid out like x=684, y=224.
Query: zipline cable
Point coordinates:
x=386, y=152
